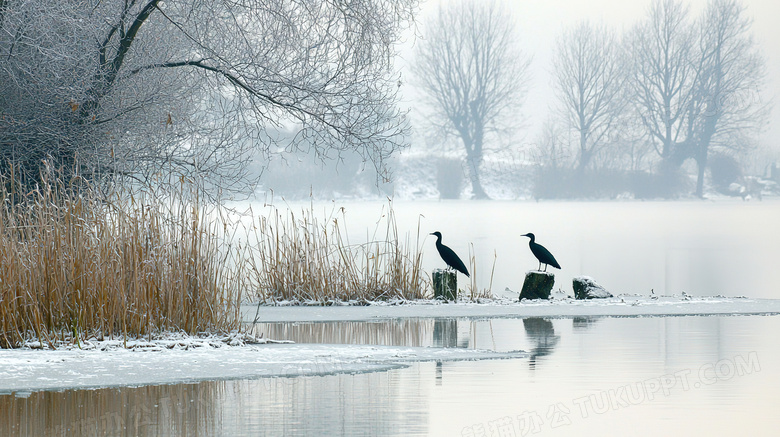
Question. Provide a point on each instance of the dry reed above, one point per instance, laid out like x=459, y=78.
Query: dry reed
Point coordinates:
x=472, y=292
x=74, y=264
x=301, y=259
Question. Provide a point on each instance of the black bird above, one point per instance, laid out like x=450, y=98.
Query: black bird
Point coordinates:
x=449, y=256
x=541, y=253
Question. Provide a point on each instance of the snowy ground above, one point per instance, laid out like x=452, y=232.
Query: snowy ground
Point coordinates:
x=177, y=358
x=24, y=371
x=620, y=306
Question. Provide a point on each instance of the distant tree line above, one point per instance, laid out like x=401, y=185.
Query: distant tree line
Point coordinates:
x=672, y=88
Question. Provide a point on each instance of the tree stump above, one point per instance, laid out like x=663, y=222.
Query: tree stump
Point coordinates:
x=586, y=288
x=445, y=284
x=537, y=285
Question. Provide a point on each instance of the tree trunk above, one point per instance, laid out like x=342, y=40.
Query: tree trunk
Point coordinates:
x=701, y=155
x=473, y=145
x=476, y=184
x=702, y=164
x=585, y=154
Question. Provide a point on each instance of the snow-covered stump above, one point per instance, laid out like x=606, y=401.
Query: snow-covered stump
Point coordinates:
x=445, y=284
x=586, y=288
x=537, y=285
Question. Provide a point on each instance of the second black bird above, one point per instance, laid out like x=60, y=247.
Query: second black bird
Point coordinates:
x=449, y=256
x=541, y=253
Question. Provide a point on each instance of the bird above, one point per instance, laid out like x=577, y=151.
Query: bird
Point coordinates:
x=449, y=256
x=541, y=253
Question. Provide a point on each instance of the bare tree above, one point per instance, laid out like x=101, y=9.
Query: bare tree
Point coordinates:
x=472, y=74
x=730, y=76
x=143, y=87
x=663, y=77
x=589, y=79
x=697, y=84
x=552, y=149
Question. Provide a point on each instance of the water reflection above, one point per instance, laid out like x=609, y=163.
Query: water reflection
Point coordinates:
x=542, y=333
x=584, y=322
x=186, y=409
x=337, y=404
x=571, y=360
x=445, y=333
x=401, y=332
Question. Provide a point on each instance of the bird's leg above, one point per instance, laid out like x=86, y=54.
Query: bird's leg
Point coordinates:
x=545, y=268
x=539, y=269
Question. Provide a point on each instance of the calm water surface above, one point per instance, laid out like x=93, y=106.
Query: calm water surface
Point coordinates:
x=604, y=376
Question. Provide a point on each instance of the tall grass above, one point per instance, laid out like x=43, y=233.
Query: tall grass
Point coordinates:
x=297, y=257
x=76, y=264
x=472, y=291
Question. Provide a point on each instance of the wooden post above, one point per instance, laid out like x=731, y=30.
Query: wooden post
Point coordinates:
x=445, y=284
x=537, y=285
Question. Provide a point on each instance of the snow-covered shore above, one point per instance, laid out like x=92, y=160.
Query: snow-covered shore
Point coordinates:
x=23, y=370
x=620, y=306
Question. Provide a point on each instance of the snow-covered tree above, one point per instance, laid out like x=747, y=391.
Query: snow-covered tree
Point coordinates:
x=141, y=88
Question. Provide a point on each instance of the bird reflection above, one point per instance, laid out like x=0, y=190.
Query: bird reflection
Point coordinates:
x=541, y=332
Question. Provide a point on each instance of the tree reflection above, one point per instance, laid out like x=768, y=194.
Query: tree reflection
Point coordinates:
x=183, y=409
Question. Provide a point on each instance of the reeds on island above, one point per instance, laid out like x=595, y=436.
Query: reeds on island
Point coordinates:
x=299, y=258
x=77, y=264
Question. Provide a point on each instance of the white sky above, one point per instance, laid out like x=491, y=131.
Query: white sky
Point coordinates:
x=541, y=21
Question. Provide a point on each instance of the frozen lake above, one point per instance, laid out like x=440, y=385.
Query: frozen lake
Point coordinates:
x=588, y=369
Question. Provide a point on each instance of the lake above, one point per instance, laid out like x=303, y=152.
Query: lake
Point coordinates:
x=689, y=375
x=583, y=376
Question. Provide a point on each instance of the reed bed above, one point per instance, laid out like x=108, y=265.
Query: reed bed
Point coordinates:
x=297, y=257
x=75, y=264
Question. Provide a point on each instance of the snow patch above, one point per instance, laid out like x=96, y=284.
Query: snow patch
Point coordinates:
x=624, y=305
x=24, y=371
x=157, y=342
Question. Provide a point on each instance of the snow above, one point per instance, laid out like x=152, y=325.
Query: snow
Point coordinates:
x=620, y=306
x=587, y=287
x=23, y=370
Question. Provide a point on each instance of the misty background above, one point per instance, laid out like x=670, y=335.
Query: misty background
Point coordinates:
x=533, y=150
